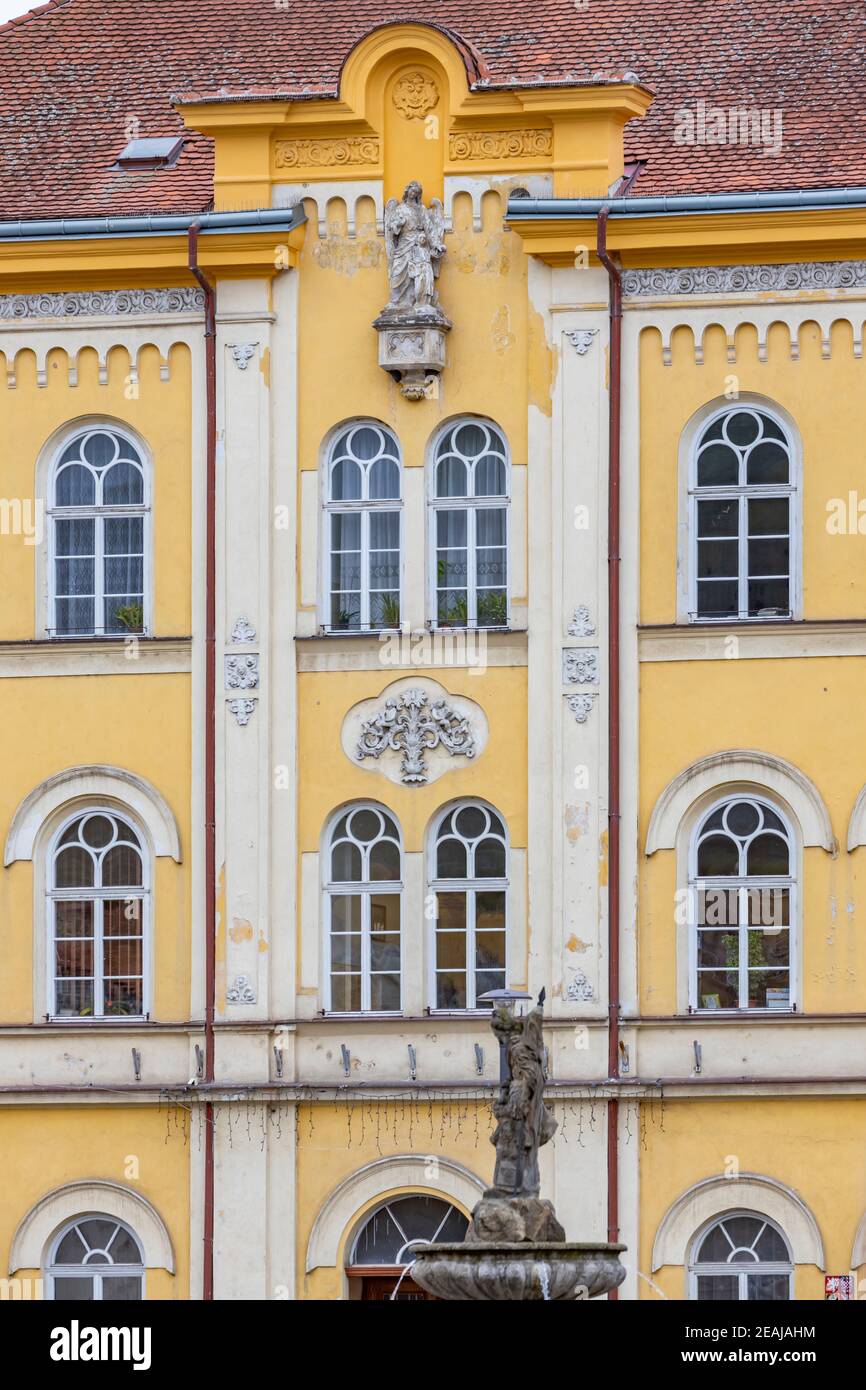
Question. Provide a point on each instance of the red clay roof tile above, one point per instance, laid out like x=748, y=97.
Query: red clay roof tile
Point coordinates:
x=76, y=76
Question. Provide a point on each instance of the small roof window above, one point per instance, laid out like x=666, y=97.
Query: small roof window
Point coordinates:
x=158, y=153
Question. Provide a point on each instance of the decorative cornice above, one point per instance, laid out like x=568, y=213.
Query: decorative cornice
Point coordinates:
x=744, y=279
x=327, y=154
x=73, y=304
x=500, y=144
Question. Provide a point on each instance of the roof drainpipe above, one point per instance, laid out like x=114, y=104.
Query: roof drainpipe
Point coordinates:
x=613, y=678
x=210, y=743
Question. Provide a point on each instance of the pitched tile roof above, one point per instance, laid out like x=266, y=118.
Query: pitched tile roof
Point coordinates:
x=80, y=78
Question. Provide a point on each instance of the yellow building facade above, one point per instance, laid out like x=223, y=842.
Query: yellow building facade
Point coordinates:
x=310, y=683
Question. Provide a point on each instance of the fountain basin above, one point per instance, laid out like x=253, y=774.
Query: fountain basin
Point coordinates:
x=518, y=1273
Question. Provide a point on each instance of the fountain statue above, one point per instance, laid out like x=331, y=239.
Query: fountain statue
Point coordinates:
x=515, y=1248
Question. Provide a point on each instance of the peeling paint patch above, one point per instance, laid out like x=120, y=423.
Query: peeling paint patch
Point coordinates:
x=241, y=930
x=500, y=330
x=574, y=943
x=220, y=947
x=603, y=859
x=263, y=942
x=347, y=255
x=543, y=365
x=576, y=821
x=265, y=366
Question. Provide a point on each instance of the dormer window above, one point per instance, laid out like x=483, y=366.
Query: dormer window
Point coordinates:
x=158, y=153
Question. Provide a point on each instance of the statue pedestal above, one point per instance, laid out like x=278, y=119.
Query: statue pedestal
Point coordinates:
x=412, y=347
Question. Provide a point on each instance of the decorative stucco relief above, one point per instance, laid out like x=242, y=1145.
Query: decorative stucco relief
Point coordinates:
x=580, y=666
x=242, y=672
x=241, y=992
x=578, y=989
x=414, y=732
x=581, y=706
x=500, y=144
x=581, y=624
x=415, y=93
x=327, y=154
x=581, y=339
x=740, y=279
x=89, y=303
x=243, y=710
x=243, y=353
x=243, y=632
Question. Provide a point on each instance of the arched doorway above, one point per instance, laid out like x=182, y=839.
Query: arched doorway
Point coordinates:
x=378, y=1257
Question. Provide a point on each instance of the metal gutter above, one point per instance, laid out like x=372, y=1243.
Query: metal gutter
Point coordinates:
x=682, y=204
x=51, y=229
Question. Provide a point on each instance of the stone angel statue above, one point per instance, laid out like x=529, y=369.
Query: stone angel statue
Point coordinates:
x=415, y=245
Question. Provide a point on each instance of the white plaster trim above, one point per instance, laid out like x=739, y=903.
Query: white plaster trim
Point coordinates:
x=857, y=823
x=858, y=1254
x=713, y=1197
x=74, y=784
x=409, y=1172
x=737, y=766
x=96, y=1196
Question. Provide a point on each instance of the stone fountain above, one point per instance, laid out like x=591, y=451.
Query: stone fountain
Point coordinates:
x=515, y=1249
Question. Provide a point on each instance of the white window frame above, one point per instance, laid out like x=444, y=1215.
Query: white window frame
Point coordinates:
x=99, y=514
x=740, y=1270
x=88, y=894
x=364, y=888
x=744, y=492
x=791, y=882
x=471, y=505
x=95, y=1272
x=363, y=506
x=471, y=887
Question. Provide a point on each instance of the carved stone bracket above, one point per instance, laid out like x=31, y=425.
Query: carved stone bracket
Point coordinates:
x=412, y=350
x=580, y=666
x=581, y=624
x=410, y=725
x=243, y=353
x=581, y=339
x=581, y=706
x=243, y=710
x=241, y=992
x=242, y=672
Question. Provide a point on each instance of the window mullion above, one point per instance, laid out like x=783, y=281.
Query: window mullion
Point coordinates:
x=744, y=557
x=98, y=962
x=365, y=569
x=366, y=912
x=743, y=934
x=471, y=999
x=471, y=568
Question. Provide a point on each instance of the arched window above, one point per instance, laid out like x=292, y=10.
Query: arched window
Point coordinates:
x=363, y=886
x=742, y=1257
x=470, y=881
x=741, y=894
x=363, y=500
x=98, y=513
x=96, y=1259
x=742, y=521
x=98, y=895
x=379, y=1257
x=470, y=526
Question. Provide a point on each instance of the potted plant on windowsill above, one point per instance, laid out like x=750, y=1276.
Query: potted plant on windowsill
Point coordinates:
x=131, y=617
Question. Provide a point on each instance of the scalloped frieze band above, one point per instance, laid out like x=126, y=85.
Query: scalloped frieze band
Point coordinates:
x=740, y=279
x=75, y=304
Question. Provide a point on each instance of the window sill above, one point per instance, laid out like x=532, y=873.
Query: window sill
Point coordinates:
x=98, y=1020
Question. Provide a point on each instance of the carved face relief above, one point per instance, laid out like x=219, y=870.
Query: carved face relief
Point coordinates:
x=415, y=94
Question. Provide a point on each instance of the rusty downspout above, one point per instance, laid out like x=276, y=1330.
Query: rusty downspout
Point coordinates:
x=613, y=679
x=210, y=743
